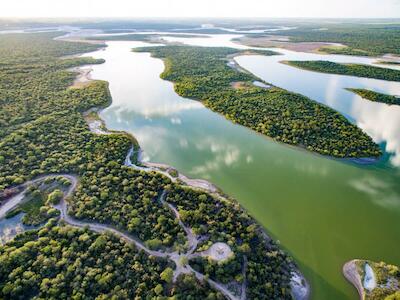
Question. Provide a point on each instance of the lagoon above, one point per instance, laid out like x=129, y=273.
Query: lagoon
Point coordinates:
x=323, y=211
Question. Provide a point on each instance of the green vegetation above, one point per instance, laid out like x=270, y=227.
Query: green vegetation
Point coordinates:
x=202, y=73
x=55, y=197
x=372, y=39
x=387, y=280
x=33, y=80
x=343, y=51
x=376, y=97
x=395, y=296
x=36, y=209
x=43, y=131
x=227, y=222
x=347, y=69
x=128, y=199
x=225, y=271
x=140, y=37
x=38, y=201
x=173, y=172
x=61, y=262
x=394, y=63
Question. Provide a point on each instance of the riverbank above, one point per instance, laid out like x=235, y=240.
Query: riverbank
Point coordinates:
x=83, y=78
x=301, y=289
x=357, y=70
x=376, y=97
x=284, y=43
x=335, y=136
x=352, y=274
x=270, y=167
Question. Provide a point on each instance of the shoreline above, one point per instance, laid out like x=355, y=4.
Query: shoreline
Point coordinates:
x=356, y=161
x=350, y=272
x=300, y=290
x=284, y=43
x=83, y=77
x=98, y=126
x=289, y=63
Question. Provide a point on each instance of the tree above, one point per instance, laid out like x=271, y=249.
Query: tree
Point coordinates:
x=158, y=289
x=167, y=275
x=55, y=196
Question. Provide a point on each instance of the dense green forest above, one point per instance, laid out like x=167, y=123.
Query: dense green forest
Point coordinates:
x=347, y=69
x=344, y=51
x=376, y=97
x=62, y=262
x=33, y=80
x=370, y=39
x=38, y=200
x=226, y=222
x=202, y=73
x=43, y=131
x=137, y=210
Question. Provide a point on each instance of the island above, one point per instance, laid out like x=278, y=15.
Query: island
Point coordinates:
x=106, y=224
x=358, y=39
x=357, y=70
x=212, y=76
x=389, y=62
x=373, y=281
x=376, y=97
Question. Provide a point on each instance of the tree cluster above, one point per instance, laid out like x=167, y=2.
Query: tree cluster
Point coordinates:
x=202, y=73
x=348, y=69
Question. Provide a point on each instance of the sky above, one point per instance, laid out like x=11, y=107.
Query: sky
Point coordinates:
x=201, y=8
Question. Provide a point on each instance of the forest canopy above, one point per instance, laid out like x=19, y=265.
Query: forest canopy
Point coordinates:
x=376, y=97
x=203, y=73
x=360, y=39
x=347, y=69
x=43, y=131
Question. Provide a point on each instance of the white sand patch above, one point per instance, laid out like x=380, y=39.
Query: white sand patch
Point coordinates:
x=218, y=251
x=369, y=278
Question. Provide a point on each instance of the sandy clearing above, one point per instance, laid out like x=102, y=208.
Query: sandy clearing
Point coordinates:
x=218, y=252
x=83, y=78
x=350, y=272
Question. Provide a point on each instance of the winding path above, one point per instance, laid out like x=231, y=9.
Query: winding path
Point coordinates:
x=178, y=258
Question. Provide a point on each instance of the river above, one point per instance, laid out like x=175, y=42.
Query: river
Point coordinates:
x=323, y=211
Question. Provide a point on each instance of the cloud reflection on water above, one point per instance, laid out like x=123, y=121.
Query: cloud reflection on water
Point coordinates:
x=378, y=120
x=381, y=192
x=381, y=122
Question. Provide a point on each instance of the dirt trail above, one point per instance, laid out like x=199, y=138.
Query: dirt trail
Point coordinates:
x=178, y=258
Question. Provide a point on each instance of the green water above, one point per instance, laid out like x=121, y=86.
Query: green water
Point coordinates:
x=323, y=211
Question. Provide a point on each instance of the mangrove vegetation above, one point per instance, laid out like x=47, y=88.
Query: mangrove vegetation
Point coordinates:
x=376, y=97
x=43, y=131
x=202, y=73
x=357, y=70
